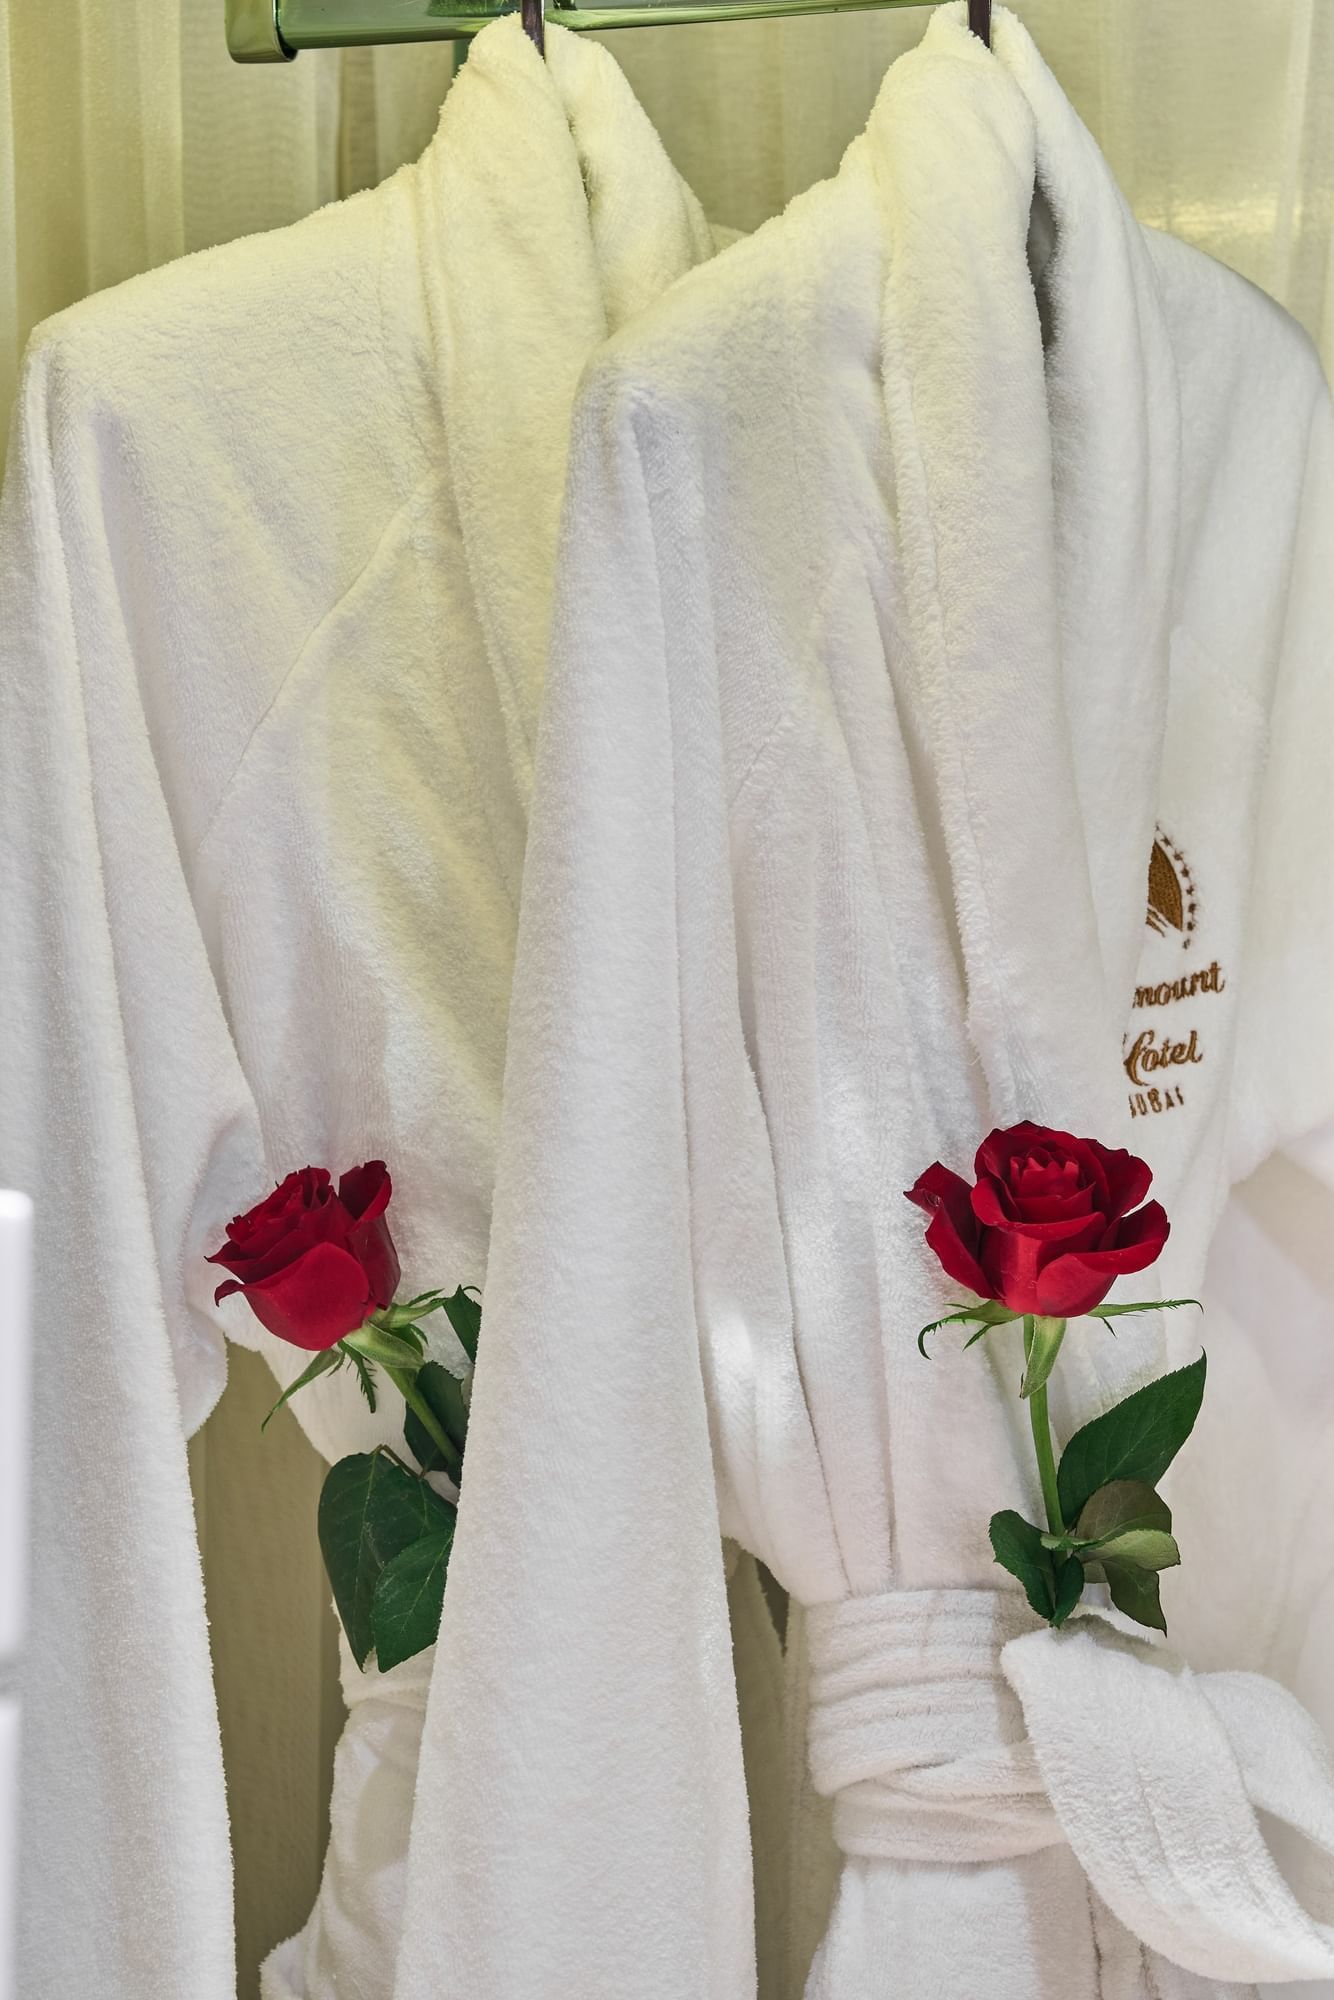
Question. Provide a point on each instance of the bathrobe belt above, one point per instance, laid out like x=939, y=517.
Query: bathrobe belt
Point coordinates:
x=947, y=1729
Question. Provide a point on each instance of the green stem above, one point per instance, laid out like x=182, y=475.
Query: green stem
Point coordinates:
x=430, y=1423
x=1042, y=1444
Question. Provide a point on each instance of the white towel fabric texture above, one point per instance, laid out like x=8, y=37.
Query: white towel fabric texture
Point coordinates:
x=351, y=1941
x=275, y=571
x=936, y=733
x=350, y=1945
x=948, y=1730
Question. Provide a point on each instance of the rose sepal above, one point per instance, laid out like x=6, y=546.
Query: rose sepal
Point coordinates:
x=1105, y=1312
x=401, y=1316
x=327, y=1358
x=1042, y=1344
x=987, y=1313
x=401, y=1347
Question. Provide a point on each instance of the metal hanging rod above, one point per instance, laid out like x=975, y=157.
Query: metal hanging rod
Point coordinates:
x=274, y=30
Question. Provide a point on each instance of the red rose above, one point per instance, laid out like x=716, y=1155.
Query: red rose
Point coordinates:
x=313, y=1264
x=1047, y=1228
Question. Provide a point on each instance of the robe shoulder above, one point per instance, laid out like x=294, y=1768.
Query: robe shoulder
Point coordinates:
x=228, y=439
x=1216, y=314
x=225, y=332
x=1255, y=425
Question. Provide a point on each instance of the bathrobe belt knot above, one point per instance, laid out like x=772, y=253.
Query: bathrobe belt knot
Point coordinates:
x=949, y=1727
x=915, y=1733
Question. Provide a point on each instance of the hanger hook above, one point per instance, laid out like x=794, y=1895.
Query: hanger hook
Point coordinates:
x=533, y=14
x=979, y=19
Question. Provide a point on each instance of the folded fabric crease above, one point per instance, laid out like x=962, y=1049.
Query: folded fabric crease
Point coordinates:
x=950, y=1728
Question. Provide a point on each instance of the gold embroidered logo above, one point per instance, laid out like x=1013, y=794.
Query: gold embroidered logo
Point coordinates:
x=1158, y=1059
x=1172, y=899
x=1153, y=1051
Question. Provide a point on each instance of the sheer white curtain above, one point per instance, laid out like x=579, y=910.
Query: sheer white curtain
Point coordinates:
x=127, y=138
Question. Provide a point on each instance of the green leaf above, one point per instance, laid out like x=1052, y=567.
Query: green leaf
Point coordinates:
x=1135, y=1591
x=327, y=1358
x=1120, y=1505
x=1053, y=1583
x=1141, y=1548
x=370, y=1510
x=464, y=1312
x=1041, y=1348
x=405, y=1613
x=444, y=1394
x=1069, y=1588
x=1135, y=1440
x=1017, y=1547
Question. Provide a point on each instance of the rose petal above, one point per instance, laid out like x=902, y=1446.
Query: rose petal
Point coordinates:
x=1128, y=1180
x=313, y=1302
x=1011, y=1263
x=1000, y=1146
x=1076, y=1283
x=1084, y=1230
x=953, y=1233
x=1038, y=1178
x=1144, y=1233
x=1067, y=1287
x=325, y=1222
x=1087, y=1156
x=997, y=1207
x=364, y=1191
x=992, y=1203
x=373, y=1246
x=1026, y=1141
x=938, y=1184
x=261, y=1226
x=1055, y=1208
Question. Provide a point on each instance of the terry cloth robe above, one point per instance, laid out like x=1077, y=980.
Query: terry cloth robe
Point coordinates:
x=921, y=632
x=275, y=572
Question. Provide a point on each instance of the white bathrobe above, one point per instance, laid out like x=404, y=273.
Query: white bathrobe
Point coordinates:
x=921, y=634
x=275, y=572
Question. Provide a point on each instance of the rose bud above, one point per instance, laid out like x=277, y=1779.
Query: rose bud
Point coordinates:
x=313, y=1264
x=1047, y=1226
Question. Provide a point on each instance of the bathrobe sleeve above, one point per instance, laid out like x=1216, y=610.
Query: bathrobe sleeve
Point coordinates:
x=580, y=1826
x=119, y=1093
x=1285, y=1055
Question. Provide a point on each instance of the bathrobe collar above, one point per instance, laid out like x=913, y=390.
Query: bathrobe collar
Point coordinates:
x=545, y=213
x=1036, y=492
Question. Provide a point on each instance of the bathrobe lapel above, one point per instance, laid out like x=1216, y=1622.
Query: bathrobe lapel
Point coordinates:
x=1041, y=644
x=553, y=215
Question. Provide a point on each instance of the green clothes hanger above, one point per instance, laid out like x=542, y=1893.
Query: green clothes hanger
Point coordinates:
x=274, y=30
